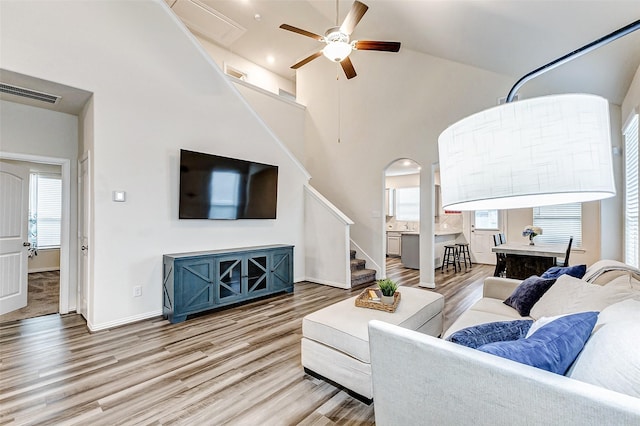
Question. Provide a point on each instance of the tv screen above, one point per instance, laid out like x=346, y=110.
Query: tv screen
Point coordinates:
x=214, y=187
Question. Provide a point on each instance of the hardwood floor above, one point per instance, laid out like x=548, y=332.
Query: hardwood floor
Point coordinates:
x=237, y=366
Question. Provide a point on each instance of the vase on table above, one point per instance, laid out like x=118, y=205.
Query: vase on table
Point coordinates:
x=387, y=300
x=531, y=237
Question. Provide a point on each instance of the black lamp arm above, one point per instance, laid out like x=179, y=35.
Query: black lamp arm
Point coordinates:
x=576, y=53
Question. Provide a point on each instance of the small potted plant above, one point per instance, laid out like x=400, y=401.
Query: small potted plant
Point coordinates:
x=388, y=289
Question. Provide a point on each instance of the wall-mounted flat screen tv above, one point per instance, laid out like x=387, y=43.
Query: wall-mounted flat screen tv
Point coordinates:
x=215, y=187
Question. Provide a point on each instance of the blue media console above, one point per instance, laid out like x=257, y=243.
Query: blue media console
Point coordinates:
x=200, y=281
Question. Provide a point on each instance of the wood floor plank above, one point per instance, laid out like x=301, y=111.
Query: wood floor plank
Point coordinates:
x=236, y=366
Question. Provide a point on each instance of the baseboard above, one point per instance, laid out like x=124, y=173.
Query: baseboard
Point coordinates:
x=329, y=283
x=43, y=269
x=104, y=326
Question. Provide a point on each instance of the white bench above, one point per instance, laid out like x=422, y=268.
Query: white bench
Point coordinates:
x=335, y=339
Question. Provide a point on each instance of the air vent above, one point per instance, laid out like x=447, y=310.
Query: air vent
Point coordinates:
x=234, y=72
x=28, y=93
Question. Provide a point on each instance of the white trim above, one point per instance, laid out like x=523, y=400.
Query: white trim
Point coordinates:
x=632, y=113
x=371, y=264
x=326, y=282
x=65, y=224
x=123, y=321
x=265, y=92
x=330, y=206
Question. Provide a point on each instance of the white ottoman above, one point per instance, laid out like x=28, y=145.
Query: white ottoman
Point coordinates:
x=335, y=340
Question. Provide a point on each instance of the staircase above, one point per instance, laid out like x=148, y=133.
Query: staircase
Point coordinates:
x=359, y=274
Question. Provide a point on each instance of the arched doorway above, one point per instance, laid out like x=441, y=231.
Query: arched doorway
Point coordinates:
x=402, y=212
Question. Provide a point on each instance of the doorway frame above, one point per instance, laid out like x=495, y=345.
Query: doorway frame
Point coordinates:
x=65, y=223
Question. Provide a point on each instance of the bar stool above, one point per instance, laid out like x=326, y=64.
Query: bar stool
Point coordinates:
x=450, y=257
x=464, y=255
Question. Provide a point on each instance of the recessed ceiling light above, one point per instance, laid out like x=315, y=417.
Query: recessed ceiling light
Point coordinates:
x=257, y=17
x=271, y=59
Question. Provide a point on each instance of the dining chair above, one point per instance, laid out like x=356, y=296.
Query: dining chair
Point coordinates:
x=503, y=238
x=566, y=257
x=501, y=258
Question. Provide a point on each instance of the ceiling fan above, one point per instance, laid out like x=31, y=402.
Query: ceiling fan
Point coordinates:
x=338, y=46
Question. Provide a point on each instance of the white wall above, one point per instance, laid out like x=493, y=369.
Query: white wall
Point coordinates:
x=283, y=116
x=256, y=75
x=155, y=91
x=395, y=108
x=38, y=132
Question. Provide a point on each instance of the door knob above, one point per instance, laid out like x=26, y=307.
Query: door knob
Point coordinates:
x=84, y=248
x=26, y=244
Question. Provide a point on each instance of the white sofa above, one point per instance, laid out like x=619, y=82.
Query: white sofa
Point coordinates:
x=419, y=379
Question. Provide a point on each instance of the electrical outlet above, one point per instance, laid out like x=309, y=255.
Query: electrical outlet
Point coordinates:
x=137, y=291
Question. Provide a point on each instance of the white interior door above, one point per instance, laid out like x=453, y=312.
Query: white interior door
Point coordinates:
x=14, y=245
x=484, y=224
x=83, y=234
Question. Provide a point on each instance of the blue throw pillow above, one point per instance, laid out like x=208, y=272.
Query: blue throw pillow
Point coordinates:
x=553, y=347
x=500, y=331
x=576, y=271
x=528, y=293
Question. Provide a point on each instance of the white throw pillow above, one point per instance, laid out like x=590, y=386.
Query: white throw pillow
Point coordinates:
x=541, y=322
x=627, y=310
x=610, y=357
x=571, y=295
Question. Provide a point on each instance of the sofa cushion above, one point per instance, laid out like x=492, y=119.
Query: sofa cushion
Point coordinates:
x=570, y=295
x=577, y=271
x=481, y=334
x=610, y=357
x=553, y=347
x=528, y=293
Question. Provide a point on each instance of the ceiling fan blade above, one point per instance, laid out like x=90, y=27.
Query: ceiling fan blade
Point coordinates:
x=385, y=46
x=306, y=60
x=302, y=32
x=348, y=68
x=353, y=17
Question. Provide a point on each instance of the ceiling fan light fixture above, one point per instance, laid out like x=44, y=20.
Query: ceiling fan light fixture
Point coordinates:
x=336, y=51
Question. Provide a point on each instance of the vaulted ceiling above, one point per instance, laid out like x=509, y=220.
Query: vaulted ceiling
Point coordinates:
x=510, y=37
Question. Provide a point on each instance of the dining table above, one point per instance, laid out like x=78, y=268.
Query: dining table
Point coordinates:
x=525, y=260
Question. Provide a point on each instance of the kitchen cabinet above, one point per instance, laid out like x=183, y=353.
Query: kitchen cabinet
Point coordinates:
x=199, y=281
x=394, y=243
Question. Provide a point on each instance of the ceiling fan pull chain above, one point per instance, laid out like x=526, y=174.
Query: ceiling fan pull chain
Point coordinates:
x=339, y=103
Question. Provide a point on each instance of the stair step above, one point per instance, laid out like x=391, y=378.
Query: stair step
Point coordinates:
x=352, y=254
x=357, y=264
x=362, y=276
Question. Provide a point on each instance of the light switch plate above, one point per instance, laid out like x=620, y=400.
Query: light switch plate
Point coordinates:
x=119, y=196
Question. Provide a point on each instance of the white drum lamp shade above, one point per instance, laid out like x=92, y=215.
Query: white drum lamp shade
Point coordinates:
x=541, y=151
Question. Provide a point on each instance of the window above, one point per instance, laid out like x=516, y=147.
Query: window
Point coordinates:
x=486, y=219
x=408, y=204
x=559, y=223
x=45, y=210
x=631, y=228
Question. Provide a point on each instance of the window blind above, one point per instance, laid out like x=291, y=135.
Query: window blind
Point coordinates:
x=45, y=210
x=631, y=228
x=408, y=204
x=559, y=223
